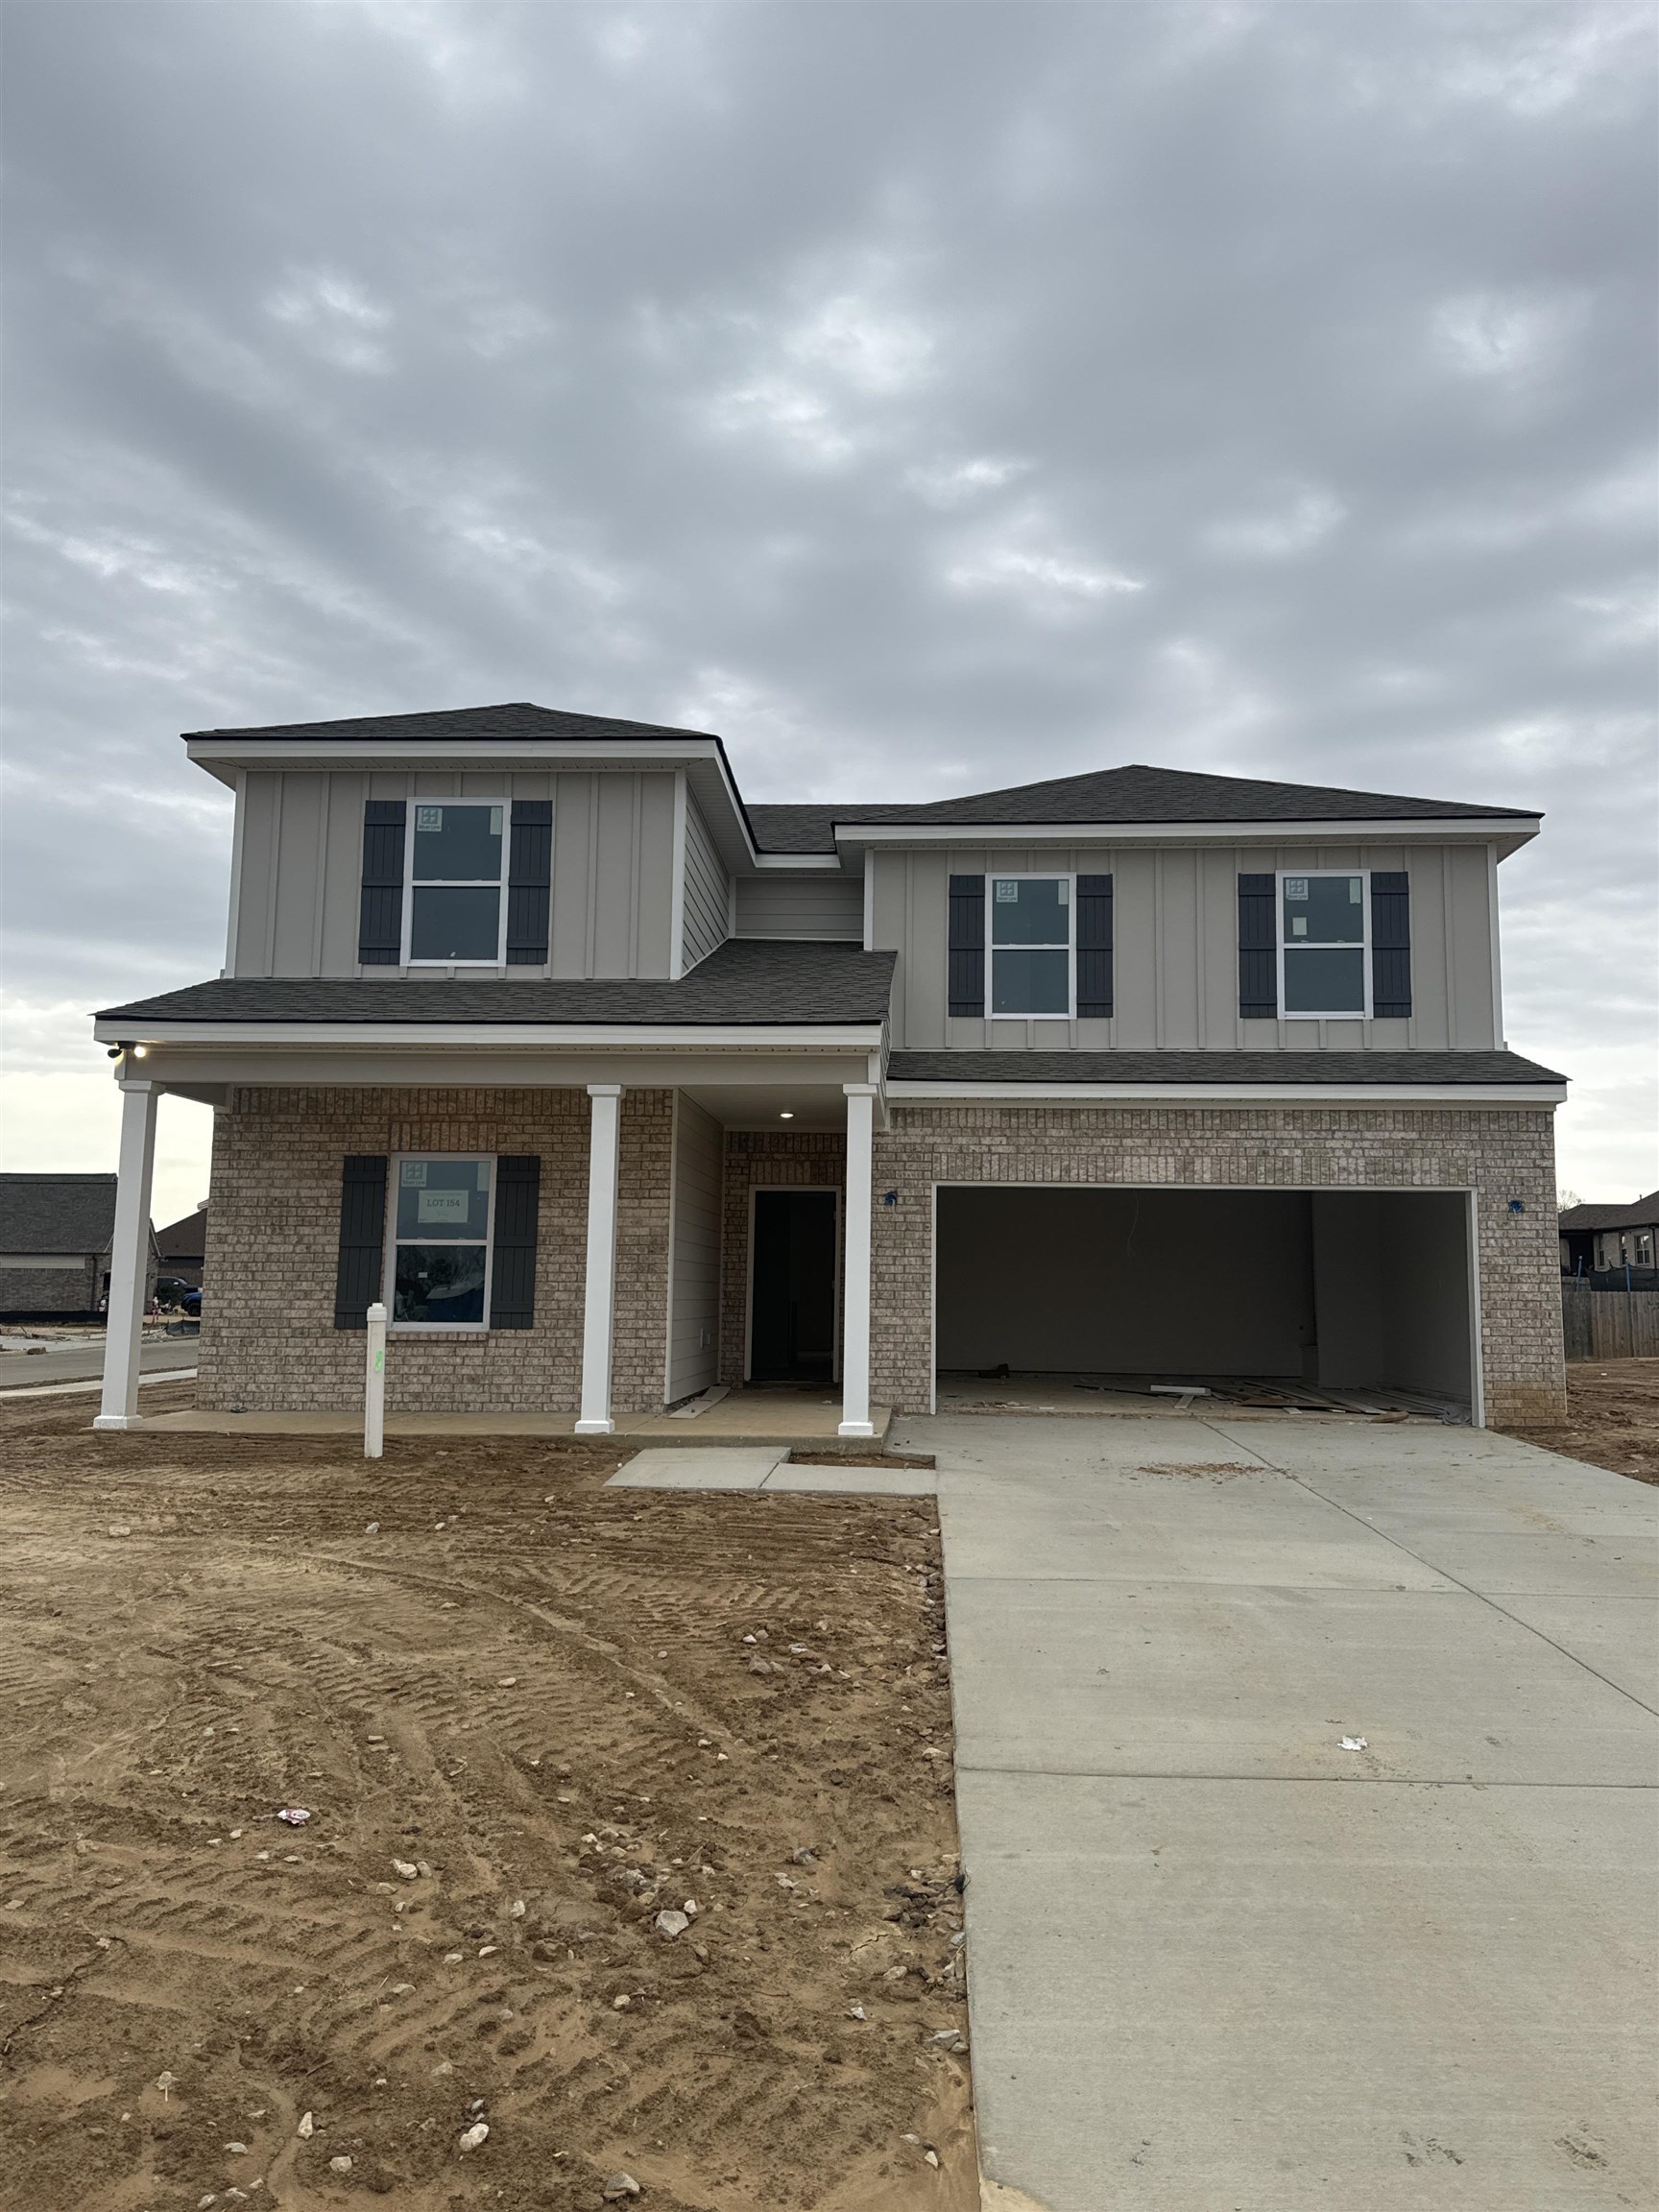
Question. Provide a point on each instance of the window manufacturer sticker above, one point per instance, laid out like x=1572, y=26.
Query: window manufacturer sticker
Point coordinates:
x=1353, y=890
x=494, y=820
x=1064, y=891
x=1006, y=893
x=428, y=820
x=414, y=1176
x=1295, y=886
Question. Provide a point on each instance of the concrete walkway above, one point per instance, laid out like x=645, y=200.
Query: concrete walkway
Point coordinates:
x=1218, y=1962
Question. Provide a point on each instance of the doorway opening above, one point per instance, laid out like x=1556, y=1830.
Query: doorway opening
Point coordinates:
x=792, y=1309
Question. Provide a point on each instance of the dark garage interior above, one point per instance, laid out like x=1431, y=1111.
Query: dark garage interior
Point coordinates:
x=1344, y=1291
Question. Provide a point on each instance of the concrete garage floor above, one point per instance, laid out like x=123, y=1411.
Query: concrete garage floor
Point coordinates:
x=1218, y=1964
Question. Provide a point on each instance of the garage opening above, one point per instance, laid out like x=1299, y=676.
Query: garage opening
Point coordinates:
x=1302, y=1294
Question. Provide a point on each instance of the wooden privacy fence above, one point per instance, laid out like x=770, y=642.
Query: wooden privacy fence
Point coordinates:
x=1609, y=1324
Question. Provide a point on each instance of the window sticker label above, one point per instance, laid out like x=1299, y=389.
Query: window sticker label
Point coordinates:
x=441, y=1206
x=428, y=820
x=494, y=820
x=1353, y=890
x=1295, y=886
x=1006, y=893
x=414, y=1177
x=1063, y=891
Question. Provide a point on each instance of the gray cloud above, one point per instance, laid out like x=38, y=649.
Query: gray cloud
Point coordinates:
x=927, y=397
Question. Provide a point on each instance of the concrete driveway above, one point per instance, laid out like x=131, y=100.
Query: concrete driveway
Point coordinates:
x=1217, y=1962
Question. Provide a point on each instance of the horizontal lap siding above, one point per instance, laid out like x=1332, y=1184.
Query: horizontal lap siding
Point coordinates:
x=694, y=1316
x=828, y=906
x=707, y=897
x=1501, y=1154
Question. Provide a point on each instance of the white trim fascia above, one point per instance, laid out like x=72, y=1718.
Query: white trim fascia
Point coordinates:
x=1497, y=953
x=1481, y=829
x=802, y=863
x=227, y=756
x=1477, y=1331
x=1222, y=1094
x=503, y=1036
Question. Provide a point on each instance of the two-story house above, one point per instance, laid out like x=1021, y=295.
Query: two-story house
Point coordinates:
x=613, y=1087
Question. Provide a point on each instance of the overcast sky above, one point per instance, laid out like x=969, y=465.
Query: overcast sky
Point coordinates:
x=925, y=397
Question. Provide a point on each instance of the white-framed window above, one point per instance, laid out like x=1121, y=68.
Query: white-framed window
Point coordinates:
x=1028, y=947
x=439, y=1240
x=1324, y=944
x=455, y=915
x=1642, y=1248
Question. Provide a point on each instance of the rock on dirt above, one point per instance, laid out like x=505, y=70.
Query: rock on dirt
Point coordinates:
x=618, y=2186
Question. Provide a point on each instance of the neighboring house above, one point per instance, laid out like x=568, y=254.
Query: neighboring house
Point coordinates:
x=182, y=1245
x=1596, y=1237
x=54, y=1233
x=614, y=1086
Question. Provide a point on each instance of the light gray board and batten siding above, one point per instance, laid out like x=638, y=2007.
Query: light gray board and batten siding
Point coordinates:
x=1176, y=957
x=694, y=1264
x=707, y=893
x=823, y=906
x=299, y=878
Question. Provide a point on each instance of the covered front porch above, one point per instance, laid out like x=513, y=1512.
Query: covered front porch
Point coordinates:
x=667, y=1243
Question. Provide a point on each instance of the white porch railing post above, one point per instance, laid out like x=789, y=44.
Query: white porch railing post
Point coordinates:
x=855, y=1314
x=605, y=1101
x=374, y=1385
x=128, y=1257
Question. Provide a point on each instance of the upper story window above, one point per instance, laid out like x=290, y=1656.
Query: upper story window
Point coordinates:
x=440, y=1236
x=1031, y=946
x=456, y=912
x=1323, y=943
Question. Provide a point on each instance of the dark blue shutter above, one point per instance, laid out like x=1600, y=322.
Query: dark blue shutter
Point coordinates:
x=1258, y=950
x=380, y=917
x=513, y=1265
x=357, y=1279
x=1095, y=947
x=967, y=946
x=1390, y=945
x=529, y=877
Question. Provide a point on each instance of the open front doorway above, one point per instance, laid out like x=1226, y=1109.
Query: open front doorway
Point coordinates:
x=792, y=1313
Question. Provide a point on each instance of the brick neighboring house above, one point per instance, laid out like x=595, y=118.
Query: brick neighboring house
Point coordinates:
x=1597, y=1239
x=55, y=1237
x=615, y=1087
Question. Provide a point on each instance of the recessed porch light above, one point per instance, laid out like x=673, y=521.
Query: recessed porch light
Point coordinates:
x=786, y=1116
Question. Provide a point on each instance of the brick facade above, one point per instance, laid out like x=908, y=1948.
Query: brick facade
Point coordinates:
x=1501, y=1153
x=268, y=1336
x=269, y=1342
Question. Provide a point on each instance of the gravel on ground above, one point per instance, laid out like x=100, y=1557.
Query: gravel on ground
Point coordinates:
x=523, y=1717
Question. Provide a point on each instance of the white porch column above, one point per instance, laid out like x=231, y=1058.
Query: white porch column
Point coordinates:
x=856, y=1315
x=128, y=1257
x=605, y=1101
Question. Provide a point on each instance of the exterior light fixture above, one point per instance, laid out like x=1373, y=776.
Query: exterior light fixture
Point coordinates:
x=786, y=1116
x=140, y=1051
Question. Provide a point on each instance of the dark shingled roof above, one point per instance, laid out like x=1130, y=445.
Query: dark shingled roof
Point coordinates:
x=458, y=726
x=56, y=1212
x=1133, y=794
x=1157, y=1068
x=185, y=1238
x=1643, y=1214
x=749, y=981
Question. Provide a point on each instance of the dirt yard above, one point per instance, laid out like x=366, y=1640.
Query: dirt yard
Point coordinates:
x=1612, y=1417
x=524, y=1716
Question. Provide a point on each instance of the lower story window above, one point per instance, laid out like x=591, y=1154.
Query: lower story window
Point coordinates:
x=441, y=1231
